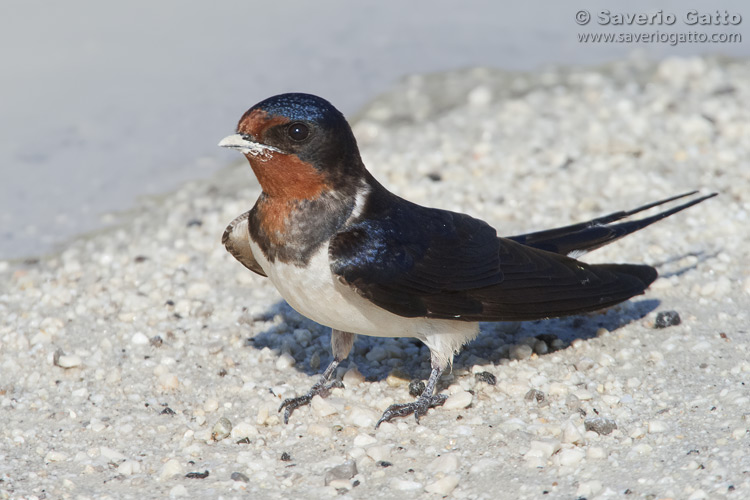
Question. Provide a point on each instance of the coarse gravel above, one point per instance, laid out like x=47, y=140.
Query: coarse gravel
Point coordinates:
x=143, y=361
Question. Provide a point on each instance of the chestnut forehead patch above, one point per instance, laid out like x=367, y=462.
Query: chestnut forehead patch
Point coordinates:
x=256, y=121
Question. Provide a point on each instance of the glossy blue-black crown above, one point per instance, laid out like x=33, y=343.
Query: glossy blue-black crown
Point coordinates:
x=298, y=106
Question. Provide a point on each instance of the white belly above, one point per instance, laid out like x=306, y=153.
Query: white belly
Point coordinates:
x=316, y=293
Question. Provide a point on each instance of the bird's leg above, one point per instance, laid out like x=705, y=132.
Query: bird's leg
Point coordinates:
x=341, y=344
x=419, y=407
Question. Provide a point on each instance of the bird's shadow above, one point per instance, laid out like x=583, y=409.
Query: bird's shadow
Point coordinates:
x=665, y=266
x=309, y=343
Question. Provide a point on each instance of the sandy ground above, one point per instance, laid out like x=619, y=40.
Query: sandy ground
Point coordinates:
x=144, y=362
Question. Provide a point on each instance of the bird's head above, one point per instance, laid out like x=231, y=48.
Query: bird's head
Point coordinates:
x=298, y=145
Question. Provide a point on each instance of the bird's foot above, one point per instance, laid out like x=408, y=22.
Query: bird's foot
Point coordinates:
x=319, y=389
x=418, y=408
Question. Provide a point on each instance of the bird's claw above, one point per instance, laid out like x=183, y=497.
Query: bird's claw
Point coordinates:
x=319, y=389
x=418, y=408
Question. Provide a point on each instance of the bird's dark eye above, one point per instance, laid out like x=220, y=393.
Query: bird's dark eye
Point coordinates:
x=298, y=131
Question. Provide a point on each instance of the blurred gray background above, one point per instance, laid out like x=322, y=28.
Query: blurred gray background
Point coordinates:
x=103, y=102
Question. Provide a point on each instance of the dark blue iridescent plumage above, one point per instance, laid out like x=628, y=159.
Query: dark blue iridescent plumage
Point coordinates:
x=423, y=262
x=303, y=107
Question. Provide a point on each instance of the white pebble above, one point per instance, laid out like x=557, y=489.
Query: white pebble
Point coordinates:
x=170, y=469
x=362, y=417
x=583, y=395
x=55, y=456
x=364, y=440
x=655, y=426
x=443, y=486
x=397, y=378
x=379, y=453
x=353, y=377
x=405, y=485
x=461, y=399
x=168, y=381
x=69, y=361
x=139, y=338
x=571, y=433
x=546, y=447
x=570, y=457
x=111, y=455
x=558, y=389
x=211, y=405
x=129, y=467
x=339, y=484
x=285, y=361
x=244, y=430
x=263, y=415
x=446, y=464
x=596, y=453
x=322, y=407
x=610, y=400
x=588, y=488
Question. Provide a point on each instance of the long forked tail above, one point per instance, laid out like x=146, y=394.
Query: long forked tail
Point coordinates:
x=577, y=239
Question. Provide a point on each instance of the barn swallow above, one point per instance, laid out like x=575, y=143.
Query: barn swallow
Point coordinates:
x=347, y=253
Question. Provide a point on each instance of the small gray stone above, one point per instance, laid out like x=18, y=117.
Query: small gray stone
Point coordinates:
x=520, y=352
x=540, y=347
x=665, y=319
x=556, y=345
x=222, y=429
x=535, y=395
x=416, y=387
x=486, y=377
x=345, y=471
x=239, y=476
x=600, y=425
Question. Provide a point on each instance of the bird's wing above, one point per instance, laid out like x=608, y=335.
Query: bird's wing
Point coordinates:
x=424, y=262
x=577, y=239
x=236, y=240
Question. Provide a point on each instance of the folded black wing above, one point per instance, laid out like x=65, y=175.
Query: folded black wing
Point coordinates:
x=420, y=262
x=406, y=259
